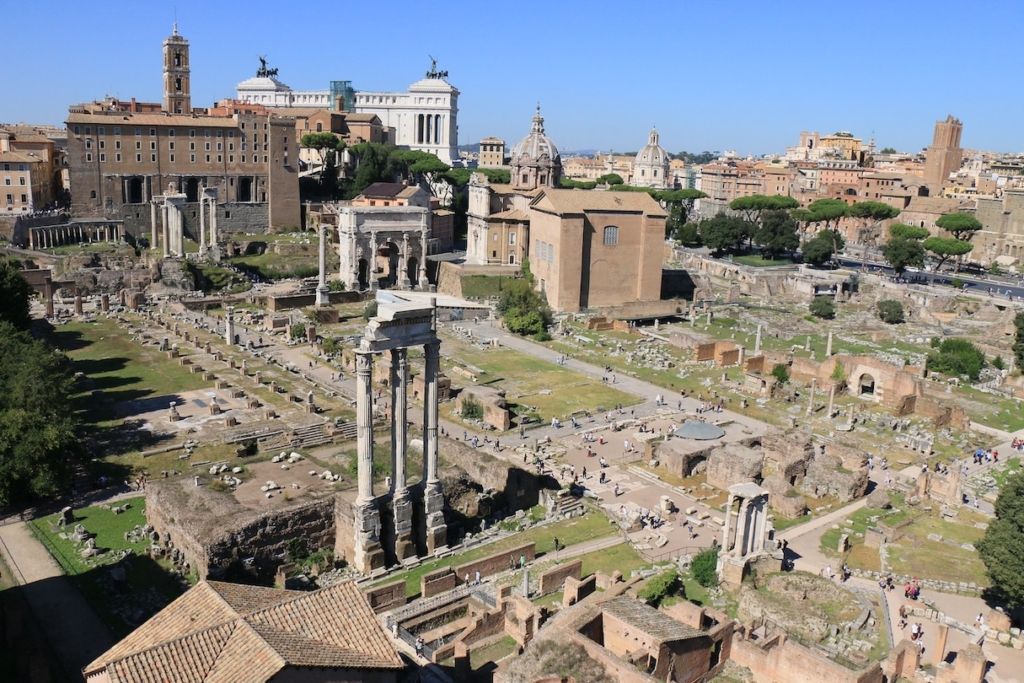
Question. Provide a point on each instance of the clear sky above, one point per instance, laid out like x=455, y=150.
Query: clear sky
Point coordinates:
x=739, y=75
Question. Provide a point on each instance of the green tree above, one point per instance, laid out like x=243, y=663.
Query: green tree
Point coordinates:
x=960, y=225
x=781, y=373
x=415, y=166
x=777, y=233
x=902, y=253
x=704, y=567
x=1018, y=340
x=890, y=311
x=823, y=307
x=610, y=179
x=725, y=233
x=688, y=235
x=660, y=587
x=820, y=249
x=1002, y=547
x=957, y=357
x=826, y=211
x=946, y=247
x=14, y=296
x=524, y=310
x=372, y=166
x=907, y=232
x=39, y=447
x=679, y=204
x=871, y=213
x=887, y=150
x=998, y=363
x=325, y=145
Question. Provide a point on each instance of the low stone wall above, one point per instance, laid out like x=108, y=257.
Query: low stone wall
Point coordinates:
x=437, y=582
x=779, y=660
x=448, y=578
x=386, y=597
x=519, y=488
x=287, y=302
x=552, y=580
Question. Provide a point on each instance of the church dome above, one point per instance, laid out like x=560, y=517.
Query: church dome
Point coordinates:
x=536, y=146
x=653, y=154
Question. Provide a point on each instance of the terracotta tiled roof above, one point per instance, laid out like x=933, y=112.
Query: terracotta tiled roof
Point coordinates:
x=583, y=201
x=510, y=215
x=20, y=158
x=222, y=632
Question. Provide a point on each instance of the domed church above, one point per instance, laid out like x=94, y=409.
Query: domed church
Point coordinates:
x=535, y=160
x=651, y=166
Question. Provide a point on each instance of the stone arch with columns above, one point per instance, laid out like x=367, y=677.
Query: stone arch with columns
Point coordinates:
x=383, y=247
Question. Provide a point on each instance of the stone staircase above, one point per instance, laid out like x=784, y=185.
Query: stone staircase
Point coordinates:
x=307, y=436
x=564, y=504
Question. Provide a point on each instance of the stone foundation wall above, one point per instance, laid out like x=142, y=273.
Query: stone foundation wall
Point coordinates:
x=438, y=582
x=386, y=597
x=783, y=661
x=251, y=218
x=519, y=488
x=498, y=562
x=553, y=579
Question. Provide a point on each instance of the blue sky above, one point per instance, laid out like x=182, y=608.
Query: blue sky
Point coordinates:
x=736, y=75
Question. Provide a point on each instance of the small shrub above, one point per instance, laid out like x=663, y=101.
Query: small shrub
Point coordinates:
x=335, y=286
x=781, y=373
x=297, y=331
x=957, y=282
x=370, y=310
x=998, y=363
x=660, y=587
x=471, y=409
x=704, y=567
x=823, y=307
x=957, y=357
x=890, y=311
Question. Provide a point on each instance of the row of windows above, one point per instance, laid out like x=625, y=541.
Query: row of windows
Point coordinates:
x=7, y=180
x=21, y=167
x=24, y=199
x=101, y=130
x=192, y=159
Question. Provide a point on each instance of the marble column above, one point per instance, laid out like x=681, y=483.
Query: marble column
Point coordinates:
x=433, y=498
x=229, y=326
x=163, y=222
x=810, y=401
x=202, y=224
x=757, y=341
x=729, y=524
x=401, y=503
x=368, y=554
x=828, y=345
x=322, y=293
x=424, y=236
x=213, y=221
x=742, y=528
x=761, y=523
x=364, y=424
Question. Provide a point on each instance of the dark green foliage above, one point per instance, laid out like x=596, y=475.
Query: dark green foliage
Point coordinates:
x=946, y=248
x=777, y=233
x=827, y=211
x=14, y=295
x=610, y=179
x=872, y=211
x=1018, y=341
x=823, y=307
x=819, y=250
x=460, y=176
x=902, y=253
x=472, y=409
x=370, y=309
x=688, y=235
x=571, y=184
x=781, y=373
x=38, y=443
x=297, y=331
x=660, y=587
x=957, y=357
x=890, y=311
x=703, y=567
x=725, y=233
x=907, y=232
x=697, y=159
x=961, y=225
x=336, y=286
x=372, y=166
x=1002, y=548
x=524, y=310
x=998, y=363
x=887, y=150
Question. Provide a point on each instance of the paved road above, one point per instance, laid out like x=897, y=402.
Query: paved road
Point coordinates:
x=72, y=628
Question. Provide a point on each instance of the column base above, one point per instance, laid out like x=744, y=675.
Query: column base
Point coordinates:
x=369, y=554
x=405, y=544
x=323, y=296
x=433, y=507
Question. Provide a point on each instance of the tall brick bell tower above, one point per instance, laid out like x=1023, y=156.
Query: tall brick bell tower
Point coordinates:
x=177, y=88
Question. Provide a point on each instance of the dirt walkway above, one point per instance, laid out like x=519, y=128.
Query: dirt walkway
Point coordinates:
x=73, y=630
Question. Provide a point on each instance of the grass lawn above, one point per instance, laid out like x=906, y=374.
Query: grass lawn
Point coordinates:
x=483, y=286
x=620, y=557
x=273, y=266
x=694, y=591
x=545, y=388
x=1011, y=468
x=499, y=649
x=994, y=411
x=914, y=554
x=760, y=261
x=569, y=532
x=122, y=605
x=118, y=367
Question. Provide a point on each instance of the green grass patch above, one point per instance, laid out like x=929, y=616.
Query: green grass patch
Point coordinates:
x=147, y=584
x=271, y=266
x=492, y=652
x=484, y=286
x=760, y=261
x=121, y=369
x=569, y=532
x=620, y=557
x=694, y=591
